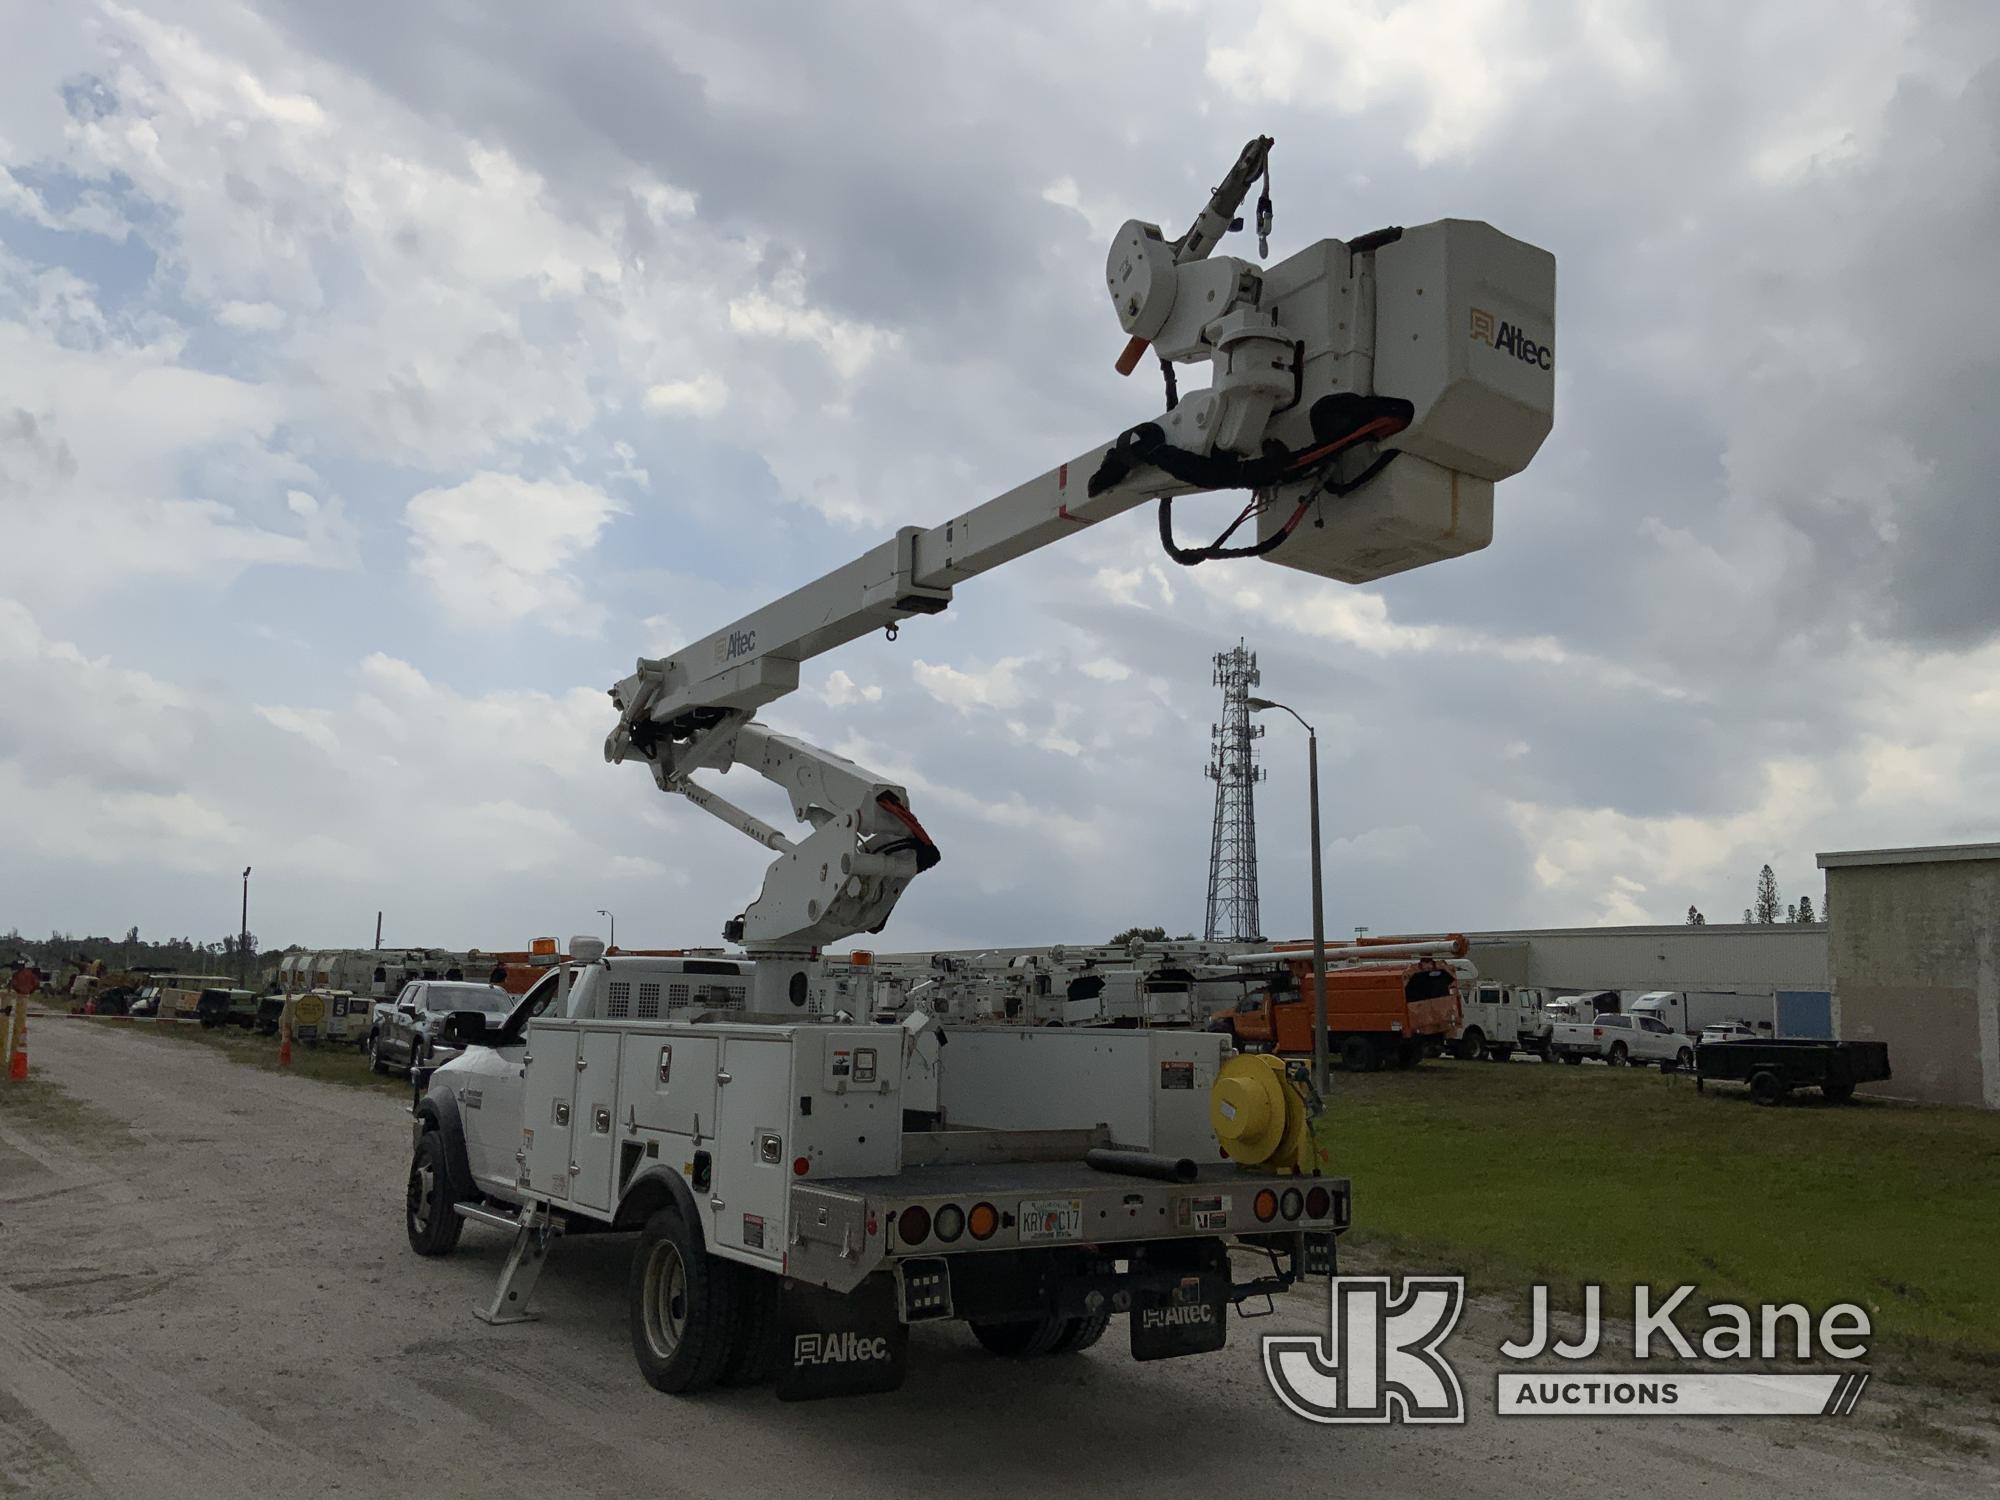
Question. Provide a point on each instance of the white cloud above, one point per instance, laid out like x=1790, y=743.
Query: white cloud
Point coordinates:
x=703, y=396
x=496, y=549
x=313, y=725
x=842, y=690
x=995, y=687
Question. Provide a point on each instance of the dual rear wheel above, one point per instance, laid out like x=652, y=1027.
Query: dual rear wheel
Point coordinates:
x=698, y=1320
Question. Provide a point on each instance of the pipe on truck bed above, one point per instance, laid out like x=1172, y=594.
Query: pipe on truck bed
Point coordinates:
x=1140, y=1164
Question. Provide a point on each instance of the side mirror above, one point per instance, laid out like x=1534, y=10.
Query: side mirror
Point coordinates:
x=464, y=1028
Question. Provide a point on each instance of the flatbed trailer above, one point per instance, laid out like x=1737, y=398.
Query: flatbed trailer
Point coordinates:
x=1773, y=1068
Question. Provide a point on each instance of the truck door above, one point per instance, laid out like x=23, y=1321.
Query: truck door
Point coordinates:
x=593, y=1132
x=752, y=1157
x=548, y=1106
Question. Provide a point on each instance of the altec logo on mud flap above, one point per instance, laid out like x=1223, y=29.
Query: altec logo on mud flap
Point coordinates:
x=1176, y=1317
x=836, y=1348
x=1509, y=339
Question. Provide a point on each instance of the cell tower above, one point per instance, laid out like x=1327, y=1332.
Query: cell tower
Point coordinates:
x=1232, y=766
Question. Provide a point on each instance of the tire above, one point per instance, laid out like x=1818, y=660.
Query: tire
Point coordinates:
x=1837, y=1093
x=1080, y=1333
x=1619, y=1056
x=1767, y=1087
x=753, y=1346
x=375, y=1063
x=679, y=1299
x=1357, y=1055
x=1574, y=1059
x=1683, y=1061
x=1409, y=1054
x=427, y=1217
x=1022, y=1340
x=1472, y=1045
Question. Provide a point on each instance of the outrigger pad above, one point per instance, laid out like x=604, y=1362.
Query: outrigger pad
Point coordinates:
x=1190, y=1318
x=841, y=1345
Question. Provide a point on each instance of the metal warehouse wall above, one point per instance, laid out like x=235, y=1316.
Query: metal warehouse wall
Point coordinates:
x=1719, y=957
x=1916, y=964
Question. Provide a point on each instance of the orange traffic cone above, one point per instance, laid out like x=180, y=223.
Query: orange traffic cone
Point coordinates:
x=285, y=1047
x=17, y=1065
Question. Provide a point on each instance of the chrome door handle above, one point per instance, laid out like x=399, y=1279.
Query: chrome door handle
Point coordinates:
x=582, y=1063
x=574, y=1169
x=721, y=1077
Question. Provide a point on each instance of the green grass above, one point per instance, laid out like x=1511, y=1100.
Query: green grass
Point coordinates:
x=1515, y=1175
x=327, y=1063
x=40, y=1103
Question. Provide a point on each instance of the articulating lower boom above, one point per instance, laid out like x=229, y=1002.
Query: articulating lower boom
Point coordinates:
x=1366, y=393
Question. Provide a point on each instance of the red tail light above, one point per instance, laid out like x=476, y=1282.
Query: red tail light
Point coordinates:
x=914, y=1225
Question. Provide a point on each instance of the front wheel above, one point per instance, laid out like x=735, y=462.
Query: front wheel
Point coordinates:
x=1357, y=1055
x=375, y=1062
x=427, y=1213
x=679, y=1298
x=1472, y=1044
x=1684, y=1060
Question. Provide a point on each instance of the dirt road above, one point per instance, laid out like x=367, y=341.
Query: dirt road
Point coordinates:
x=220, y=1302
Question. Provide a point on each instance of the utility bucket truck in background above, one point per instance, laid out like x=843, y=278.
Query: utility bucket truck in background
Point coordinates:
x=810, y=1174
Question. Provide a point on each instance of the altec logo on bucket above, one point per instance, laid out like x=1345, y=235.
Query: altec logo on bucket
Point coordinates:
x=1382, y=1359
x=1509, y=339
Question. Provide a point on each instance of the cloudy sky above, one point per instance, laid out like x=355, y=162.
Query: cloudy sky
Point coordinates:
x=377, y=381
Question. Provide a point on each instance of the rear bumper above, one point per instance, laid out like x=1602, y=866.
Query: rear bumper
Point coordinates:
x=843, y=1229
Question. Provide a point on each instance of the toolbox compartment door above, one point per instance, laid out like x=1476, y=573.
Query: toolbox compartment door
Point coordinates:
x=593, y=1123
x=753, y=1152
x=548, y=1109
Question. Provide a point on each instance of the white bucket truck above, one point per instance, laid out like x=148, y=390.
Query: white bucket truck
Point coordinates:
x=792, y=1164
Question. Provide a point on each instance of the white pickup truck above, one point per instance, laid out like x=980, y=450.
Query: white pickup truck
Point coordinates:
x=1622, y=1041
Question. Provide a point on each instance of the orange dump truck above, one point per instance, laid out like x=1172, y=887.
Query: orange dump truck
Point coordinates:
x=1387, y=1012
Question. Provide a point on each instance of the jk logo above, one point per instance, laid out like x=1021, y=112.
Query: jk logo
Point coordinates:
x=1380, y=1360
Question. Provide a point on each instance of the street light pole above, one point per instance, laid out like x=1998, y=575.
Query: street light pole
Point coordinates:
x=243, y=934
x=612, y=942
x=1319, y=1064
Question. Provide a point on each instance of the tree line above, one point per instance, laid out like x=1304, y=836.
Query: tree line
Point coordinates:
x=180, y=954
x=1766, y=910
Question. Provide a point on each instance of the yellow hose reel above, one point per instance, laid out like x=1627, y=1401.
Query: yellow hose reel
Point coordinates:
x=1260, y=1115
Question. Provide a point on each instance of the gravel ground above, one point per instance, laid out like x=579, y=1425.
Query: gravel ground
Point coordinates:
x=214, y=1298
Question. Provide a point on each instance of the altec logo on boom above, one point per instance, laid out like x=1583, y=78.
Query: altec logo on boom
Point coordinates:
x=1509, y=339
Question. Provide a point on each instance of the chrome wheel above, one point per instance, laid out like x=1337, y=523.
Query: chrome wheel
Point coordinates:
x=665, y=1301
x=423, y=1182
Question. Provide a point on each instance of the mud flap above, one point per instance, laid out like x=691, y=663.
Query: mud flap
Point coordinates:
x=1189, y=1318
x=840, y=1344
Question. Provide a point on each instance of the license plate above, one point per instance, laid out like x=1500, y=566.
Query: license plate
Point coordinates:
x=1045, y=1219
